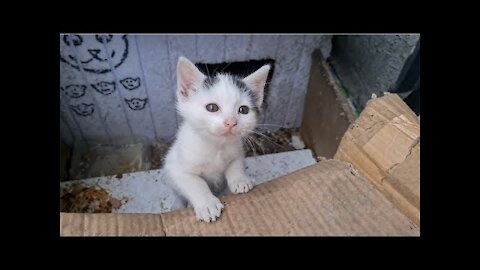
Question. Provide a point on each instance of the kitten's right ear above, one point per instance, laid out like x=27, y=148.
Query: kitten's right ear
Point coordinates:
x=188, y=78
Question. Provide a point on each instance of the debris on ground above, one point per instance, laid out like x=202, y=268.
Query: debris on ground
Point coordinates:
x=268, y=142
x=82, y=199
x=106, y=159
x=159, y=151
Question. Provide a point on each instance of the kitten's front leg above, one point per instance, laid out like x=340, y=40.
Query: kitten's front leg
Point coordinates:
x=238, y=181
x=207, y=207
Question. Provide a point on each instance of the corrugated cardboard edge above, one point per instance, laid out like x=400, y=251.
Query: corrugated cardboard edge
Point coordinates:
x=326, y=199
x=75, y=224
x=364, y=145
x=329, y=198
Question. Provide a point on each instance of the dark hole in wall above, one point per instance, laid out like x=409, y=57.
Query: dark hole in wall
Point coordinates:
x=241, y=69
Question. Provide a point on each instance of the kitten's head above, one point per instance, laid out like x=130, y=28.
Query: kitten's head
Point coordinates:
x=223, y=105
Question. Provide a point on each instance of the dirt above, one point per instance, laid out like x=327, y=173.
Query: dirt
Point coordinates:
x=159, y=151
x=82, y=199
x=270, y=142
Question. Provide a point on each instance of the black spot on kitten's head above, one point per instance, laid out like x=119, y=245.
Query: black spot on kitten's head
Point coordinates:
x=104, y=88
x=209, y=81
x=136, y=103
x=238, y=81
x=240, y=85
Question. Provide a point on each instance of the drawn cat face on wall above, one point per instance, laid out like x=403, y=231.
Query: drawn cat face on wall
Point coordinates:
x=74, y=90
x=90, y=51
x=83, y=109
x=131, y=83
x=104, y=88
x=136, y=103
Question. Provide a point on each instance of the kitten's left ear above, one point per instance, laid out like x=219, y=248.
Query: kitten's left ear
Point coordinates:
x=256, y=82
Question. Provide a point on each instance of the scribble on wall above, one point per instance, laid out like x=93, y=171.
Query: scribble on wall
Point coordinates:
x=136, y=104
x=104, y=88
x=131, y=83
x=92, y=55
x=74, y=90
x=83, y=109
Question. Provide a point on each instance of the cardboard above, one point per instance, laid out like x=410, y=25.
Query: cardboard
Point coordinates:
x=111, y=225
x=384, y=145
x=326, y=199
x=327, y=113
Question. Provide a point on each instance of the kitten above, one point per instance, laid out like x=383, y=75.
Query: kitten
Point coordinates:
x=217, y=113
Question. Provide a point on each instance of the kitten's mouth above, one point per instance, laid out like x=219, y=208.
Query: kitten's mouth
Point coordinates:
x=229, y=133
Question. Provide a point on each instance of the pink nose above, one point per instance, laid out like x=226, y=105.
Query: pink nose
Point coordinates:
x=230, y=123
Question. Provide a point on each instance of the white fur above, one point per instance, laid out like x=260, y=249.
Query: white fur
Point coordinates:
x=206, y=151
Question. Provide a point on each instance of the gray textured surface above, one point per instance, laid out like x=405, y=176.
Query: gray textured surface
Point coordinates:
x=369, y=64
x=147, y=191
x=153, y=58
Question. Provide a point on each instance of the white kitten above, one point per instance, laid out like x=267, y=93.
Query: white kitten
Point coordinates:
x=217, y=112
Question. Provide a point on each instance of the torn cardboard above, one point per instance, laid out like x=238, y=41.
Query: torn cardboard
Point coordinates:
x=325, y=199
x=327, y=114
x=384, y=145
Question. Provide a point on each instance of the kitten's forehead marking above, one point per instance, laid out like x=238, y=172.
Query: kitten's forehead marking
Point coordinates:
x=228, y=81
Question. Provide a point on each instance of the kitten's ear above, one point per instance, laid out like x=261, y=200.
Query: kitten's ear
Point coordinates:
x=188, y=78
x=256, y=82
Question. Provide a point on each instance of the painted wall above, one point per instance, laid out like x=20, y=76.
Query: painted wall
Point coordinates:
x=124, y=87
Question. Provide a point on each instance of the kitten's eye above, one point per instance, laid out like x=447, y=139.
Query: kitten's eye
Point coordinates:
x=212, y=107
x=104, y=38
x=76, y=40
x=243, y=109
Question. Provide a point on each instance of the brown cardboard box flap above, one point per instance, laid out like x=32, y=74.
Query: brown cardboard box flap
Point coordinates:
x=327, y=199
x=72, y=224
x=384, y=145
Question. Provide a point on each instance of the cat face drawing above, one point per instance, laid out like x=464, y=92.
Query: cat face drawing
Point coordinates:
x=131, y=83
x=83, y=109
x=136, y=103
x=93, y=52
x=104, y=88
x=74, y=90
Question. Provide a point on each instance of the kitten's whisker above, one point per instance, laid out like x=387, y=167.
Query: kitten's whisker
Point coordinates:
x=208, y=73
x=273, y=125
x=269, y=139
x=253, y=146
x=257, y=143
x=225, y=67
x=246, y=141
x=215, y=70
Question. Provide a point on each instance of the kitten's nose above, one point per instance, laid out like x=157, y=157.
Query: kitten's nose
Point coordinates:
x=229, y=123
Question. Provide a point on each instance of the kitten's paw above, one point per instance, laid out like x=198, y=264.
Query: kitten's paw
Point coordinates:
x=241, y=186
x=210, y=210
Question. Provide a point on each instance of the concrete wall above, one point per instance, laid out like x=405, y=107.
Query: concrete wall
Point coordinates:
x=367, y=64
x=125, y=86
